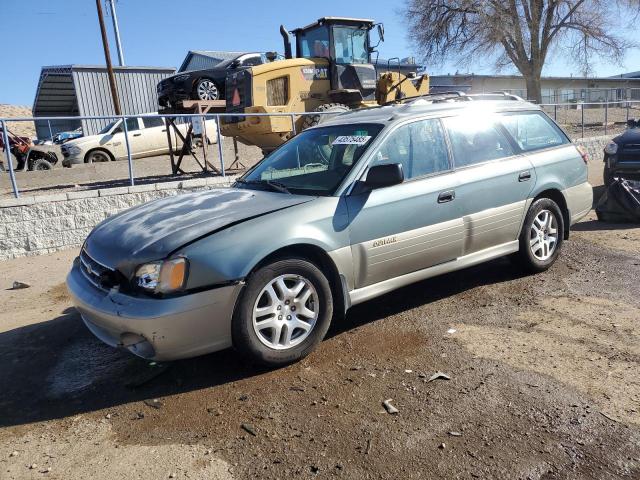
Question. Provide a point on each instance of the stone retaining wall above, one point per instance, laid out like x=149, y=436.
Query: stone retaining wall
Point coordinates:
x=48, y=223
x=595, y=146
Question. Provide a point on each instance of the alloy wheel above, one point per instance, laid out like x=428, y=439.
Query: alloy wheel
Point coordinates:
x=207, y=90
x=285, y=311
x=543, y=237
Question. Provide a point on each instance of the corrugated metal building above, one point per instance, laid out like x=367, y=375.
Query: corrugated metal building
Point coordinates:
x=83, y=90
x=202, y=59
x=554, y=89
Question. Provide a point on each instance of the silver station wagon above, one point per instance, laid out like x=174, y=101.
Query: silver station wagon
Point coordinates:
x=356, y=207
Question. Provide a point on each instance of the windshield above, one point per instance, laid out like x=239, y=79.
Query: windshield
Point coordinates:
x=314, y=162
x=314, y=42
x=108, y=128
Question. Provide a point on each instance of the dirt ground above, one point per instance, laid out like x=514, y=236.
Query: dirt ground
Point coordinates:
x=543, y=383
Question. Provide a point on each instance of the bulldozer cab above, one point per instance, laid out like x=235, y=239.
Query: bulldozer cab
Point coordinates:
x=345, y=43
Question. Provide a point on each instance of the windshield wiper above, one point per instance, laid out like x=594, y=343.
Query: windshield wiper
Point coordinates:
x=281, y=187
x=277, y=186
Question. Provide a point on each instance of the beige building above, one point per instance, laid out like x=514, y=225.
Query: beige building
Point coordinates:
x=554, y=89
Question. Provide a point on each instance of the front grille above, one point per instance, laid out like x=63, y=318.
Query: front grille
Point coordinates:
x=238, y=93
x=630, y=152
x=278, y=91
x=95, y=272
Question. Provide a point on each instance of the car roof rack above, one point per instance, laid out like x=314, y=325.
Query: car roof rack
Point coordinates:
x=457, y=96
x=439, y=96
x=499, y=95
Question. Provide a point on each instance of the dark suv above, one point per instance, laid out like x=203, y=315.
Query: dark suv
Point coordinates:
x=622, y=154
x=205, y=84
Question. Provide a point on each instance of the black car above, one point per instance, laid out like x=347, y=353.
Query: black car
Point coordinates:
x=622, y=154
x=205, y=84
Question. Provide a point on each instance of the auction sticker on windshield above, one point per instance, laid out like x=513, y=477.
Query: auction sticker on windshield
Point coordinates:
x=351, y=140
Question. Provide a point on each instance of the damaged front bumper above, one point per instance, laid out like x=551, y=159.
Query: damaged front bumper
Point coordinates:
x=156, y=328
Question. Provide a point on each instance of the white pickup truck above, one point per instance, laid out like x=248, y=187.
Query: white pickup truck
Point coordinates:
x=147, y=138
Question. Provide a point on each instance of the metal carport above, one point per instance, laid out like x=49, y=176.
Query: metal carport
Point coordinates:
x=83, y=90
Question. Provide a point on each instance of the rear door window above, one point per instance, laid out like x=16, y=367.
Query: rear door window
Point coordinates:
x=533, y=131
x=476, y=140
x=151, y=122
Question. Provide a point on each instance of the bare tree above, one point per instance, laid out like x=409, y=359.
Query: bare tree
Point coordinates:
x=521, y=33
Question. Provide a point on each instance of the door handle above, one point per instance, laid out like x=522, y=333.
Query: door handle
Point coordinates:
x=447, y=196
x=137, y=134
x=524, y=176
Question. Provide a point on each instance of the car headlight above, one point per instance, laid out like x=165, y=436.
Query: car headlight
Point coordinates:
x=611, y=148
x=166, y=276
x=73, y=149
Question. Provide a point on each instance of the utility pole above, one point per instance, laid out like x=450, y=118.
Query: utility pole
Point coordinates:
x=107, y=57
x=116, y=30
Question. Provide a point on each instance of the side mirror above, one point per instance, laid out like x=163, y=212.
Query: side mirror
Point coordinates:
x=235, y=64
x=380, y=176
x=632, y=123
x=381, y=32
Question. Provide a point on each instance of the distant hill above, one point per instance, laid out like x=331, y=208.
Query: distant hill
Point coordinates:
x=23, y=129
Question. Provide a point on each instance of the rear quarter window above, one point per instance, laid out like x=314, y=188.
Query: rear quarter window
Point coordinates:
x=533, y=131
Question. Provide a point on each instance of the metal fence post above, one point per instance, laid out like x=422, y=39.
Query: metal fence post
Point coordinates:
x=50, y=132
x=606, y=116
x=555, y=112
x=7, y=150
x=293, y=124
x=219, y=140
x=628, y=104
x=126, y=141
x=582, y=112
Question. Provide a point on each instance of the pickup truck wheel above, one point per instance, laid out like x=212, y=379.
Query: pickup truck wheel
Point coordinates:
x=284, y=312
x=206, y=89
x=541, y=236
x=97, y=156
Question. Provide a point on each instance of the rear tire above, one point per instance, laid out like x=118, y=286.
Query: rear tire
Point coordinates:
x=313, y=120
x=283, y=313
x=206, y=90
x=541, y=236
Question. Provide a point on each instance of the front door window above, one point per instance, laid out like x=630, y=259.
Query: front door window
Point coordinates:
x=315, y=43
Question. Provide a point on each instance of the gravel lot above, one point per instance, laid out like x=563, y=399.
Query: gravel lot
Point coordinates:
x=114, y=174
x=157, y=169
x=543, y=383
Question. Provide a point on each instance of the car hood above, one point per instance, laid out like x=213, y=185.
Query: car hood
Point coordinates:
x=154, y=230
x=81, y=141
x=631, y=135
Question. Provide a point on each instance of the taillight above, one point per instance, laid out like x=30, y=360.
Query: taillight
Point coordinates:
x=583, y=153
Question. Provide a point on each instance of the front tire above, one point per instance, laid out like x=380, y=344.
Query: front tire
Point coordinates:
x=284, y=312
x=41, y=164
x=541, y=236
x=97, y=156
x=326, y=109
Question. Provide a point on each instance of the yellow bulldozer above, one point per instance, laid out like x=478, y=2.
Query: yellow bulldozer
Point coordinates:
x=332, y=72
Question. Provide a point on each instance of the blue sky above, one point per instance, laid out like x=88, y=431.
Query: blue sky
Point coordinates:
x=160, y=32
